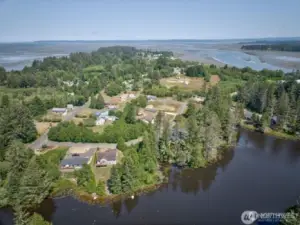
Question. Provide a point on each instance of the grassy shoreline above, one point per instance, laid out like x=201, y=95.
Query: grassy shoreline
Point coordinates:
x=270, y=132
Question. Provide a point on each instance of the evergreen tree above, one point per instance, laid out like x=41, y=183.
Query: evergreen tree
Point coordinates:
x=21, y=216
x=100, y=189
x=121, y=144
x=197, y=157
x=114, y=183
x=35, y=185
x=5, y=101
x=97, y=103
x=37, y=219
x=16, y=123
x=130, y=114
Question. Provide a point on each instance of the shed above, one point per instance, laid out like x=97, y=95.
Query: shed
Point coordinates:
x=70, y=107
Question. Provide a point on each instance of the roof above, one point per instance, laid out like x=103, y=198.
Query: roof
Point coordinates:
x=150, y=110
x=151, y=97
x=59, y=109
x=148, y=116
x=73, y=161
x=114, y=100
x=108, y=155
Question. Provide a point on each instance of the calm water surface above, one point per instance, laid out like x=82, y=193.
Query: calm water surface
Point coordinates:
x=261, y=174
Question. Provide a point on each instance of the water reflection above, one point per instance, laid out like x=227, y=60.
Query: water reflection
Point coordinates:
x=117, y=208
x=130, y=204
x=47, y=208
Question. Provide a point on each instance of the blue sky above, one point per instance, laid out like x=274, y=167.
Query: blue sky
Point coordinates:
x=31, y=20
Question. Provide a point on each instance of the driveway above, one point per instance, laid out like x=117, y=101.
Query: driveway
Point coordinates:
x=43, y=139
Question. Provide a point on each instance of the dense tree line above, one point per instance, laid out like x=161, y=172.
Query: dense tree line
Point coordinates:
x=290, y=46
x=278, y=103
x=207, y=131
x=16, y=123
x=139, y=167
x=26, y=179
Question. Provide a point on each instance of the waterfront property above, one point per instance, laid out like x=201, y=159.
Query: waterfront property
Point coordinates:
x=107, y=157
x=76, y=157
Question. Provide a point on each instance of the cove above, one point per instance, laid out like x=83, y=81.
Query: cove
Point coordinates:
x=261, y=173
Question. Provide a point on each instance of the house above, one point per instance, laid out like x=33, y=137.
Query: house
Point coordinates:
x=111, y=118
x=108, y=157
x=70, y=107
x=150, y=110
x=131, y=94
x=140, y=112
x=151, y=97
x=113, y=102
x=62, y=111
x=112, y=107
x=198, y=99
x=248, y=114
x=100, y=121
x=124, y=97
x=76, y=157
x=148, y=117
x=104, y=113
x=74, y=162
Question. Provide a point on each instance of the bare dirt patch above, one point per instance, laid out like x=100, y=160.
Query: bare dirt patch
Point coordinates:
x=189, y=83
x=165, y=104
x=43, y=126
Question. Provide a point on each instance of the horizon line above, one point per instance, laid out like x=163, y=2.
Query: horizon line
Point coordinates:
x=167, y=39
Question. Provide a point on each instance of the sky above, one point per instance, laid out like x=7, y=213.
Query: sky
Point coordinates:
x=32, y=20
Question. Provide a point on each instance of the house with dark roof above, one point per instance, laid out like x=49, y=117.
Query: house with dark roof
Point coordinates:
x=76, y=158
x=107, y=157
x=73, y=163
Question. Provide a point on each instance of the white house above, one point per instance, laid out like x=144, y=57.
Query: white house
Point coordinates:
x=70, y=107
x=100, y=121
x=108, y=157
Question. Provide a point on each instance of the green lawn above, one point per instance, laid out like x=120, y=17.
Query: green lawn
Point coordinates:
x=103, y=173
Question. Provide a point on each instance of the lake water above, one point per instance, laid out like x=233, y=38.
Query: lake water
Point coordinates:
x=261, y=173
x=17, y=55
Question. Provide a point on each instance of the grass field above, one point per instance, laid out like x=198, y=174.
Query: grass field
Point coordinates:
x=100, y=129
x=166, y=104
x=103, y=173
x=189, y=83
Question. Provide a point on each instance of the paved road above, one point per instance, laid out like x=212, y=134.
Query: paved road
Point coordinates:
x=182, y=108
x=43, y=139
x=83, y=145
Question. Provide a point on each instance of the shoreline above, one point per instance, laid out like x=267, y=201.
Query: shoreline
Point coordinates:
x=271, y=133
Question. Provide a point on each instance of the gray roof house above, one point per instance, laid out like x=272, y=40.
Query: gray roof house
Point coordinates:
x=75, y=162
x=59, y=110
x=108, y=157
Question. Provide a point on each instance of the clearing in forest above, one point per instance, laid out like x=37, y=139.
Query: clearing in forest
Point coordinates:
x=189, y=83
